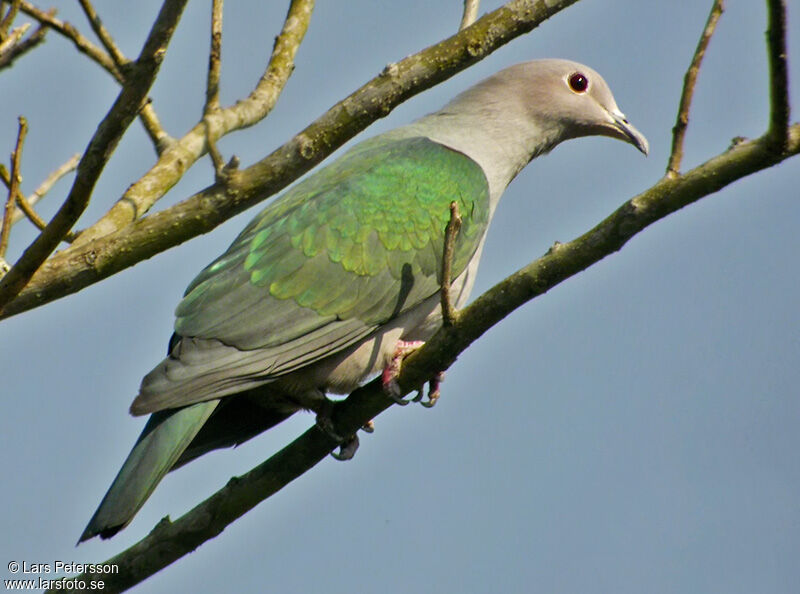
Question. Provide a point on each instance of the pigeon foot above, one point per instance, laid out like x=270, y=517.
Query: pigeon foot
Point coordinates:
x=392, y=370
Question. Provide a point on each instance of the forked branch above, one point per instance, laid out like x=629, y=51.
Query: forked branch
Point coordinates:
x=103, y=250
x=102, y=145
x=183, y=153
x=112, y=63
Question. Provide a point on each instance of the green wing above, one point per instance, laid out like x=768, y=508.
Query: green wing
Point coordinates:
x=360, y=240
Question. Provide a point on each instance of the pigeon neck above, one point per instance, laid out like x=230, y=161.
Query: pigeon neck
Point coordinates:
x=500, y=144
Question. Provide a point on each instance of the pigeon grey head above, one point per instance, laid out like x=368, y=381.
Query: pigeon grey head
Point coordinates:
x=524, y=111
x=576, y=97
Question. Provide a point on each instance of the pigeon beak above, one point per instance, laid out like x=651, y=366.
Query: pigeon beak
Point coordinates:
x=626, y=131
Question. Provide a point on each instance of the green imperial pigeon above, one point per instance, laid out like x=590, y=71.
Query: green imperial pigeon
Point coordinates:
x=332, y=281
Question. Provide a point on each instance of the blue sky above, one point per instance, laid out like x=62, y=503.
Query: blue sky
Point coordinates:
x=635, y=429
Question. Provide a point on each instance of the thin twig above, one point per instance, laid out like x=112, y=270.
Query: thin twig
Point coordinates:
x=778, y=75
x=48, y=183
x=25, y=205
x=13, y=187
x=449, y=312
x=161, y=140
x=212, y=88
x=103, y=35
x=36, y=220
x=183, y=153
x=689, y=81
x=470, y=13
x=8, y=19
x=28, y=211
x=67, y=30
x=101, y=147
x=213, y=152
x=7, y=57
x=13, y=38
x=214, y=59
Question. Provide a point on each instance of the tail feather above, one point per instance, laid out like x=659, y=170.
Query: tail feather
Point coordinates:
x=234, y=421
x=162, y=442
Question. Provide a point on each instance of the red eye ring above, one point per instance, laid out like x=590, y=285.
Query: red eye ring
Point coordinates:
x=578, y=82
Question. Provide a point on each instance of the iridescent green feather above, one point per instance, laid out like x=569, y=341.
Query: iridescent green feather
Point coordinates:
x=362, y=238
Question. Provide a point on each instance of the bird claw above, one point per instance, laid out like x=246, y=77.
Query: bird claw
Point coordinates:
x=392, y=389
x=325, y=424
x=434, y=391
x=347, y=449
x=391, y=371
x=348, y=446
x=389, y=378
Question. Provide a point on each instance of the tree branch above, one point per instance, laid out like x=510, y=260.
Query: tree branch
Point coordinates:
x=101, y=146
x=68, y=31
x=111, y=64
x=470, y=13
x=175, y=161
x=45, y=186
x=171, y=540
x=103, y=35
x=13, y=38
x=778, y=75
x=9, y=53
x=13, y=186
x=24, y=207
x=689, y=81
x=214, y=58
x=86, y=263
x=450, y=232
x=212, y=88
x=8, y=18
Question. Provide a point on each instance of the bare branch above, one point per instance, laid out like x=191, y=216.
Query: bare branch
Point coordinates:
x=689, y=81
x=778, y=74
x=7, y=56
x=450, y=232
x=47, y=184
x=207, y=209
x=175, y=161
x=70, y=32
x=12, y=38
x=470, y=13
x=103, y=35
x=13, y=186
x=214, y=59
x=147, y=114
x=25, y=206
x=28, y=211
x=102, y=145
x=8, y=19
x=212, y=89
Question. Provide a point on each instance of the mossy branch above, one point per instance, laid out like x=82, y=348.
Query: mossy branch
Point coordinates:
x=89, y=261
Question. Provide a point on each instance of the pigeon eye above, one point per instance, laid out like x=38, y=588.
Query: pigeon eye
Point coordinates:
x=578, y=82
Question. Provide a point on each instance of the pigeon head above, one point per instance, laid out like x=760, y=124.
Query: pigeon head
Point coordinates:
x=576, y=98
x=538, y=104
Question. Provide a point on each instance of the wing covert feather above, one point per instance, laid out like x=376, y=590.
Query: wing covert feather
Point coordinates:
x=361, y=239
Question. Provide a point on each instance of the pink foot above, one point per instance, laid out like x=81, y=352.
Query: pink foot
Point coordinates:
x=392, y=370
x=434, y=391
